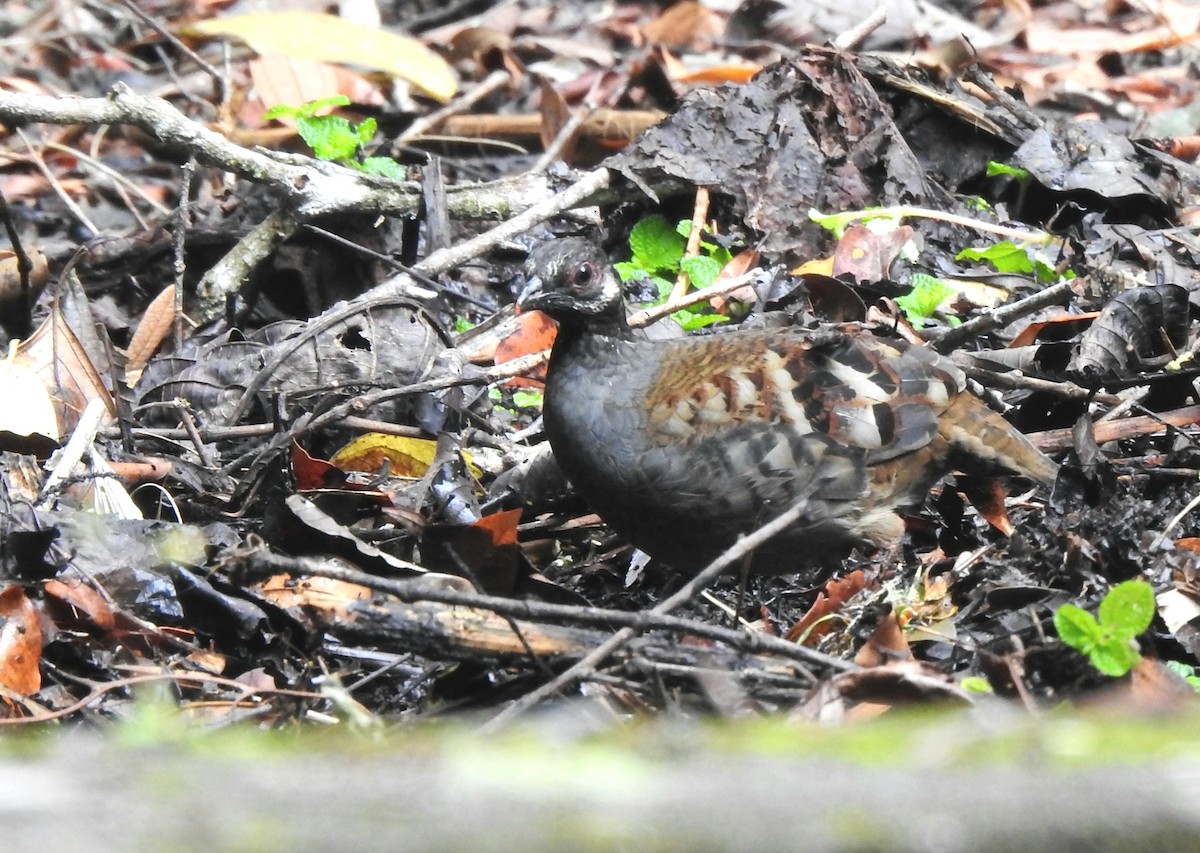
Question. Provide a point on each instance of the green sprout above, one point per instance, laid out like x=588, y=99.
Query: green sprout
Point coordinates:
x=995, y=169
x=922, y=302
x=334, y=138
x=1124, y=613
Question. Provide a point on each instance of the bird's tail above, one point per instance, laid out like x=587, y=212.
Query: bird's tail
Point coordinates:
x=976, y=432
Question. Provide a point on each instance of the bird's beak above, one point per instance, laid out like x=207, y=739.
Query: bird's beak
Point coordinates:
x=531, y=290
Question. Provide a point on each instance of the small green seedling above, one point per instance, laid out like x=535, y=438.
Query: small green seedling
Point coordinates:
x=995, y=169
x=658, y=256
x=527, y=398
x=1125, y=612
x=520, y=399
x=334, y=138
x=922, y=302
x=976, y=684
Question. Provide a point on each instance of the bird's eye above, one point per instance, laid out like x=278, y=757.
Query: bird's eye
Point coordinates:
x=583, y=274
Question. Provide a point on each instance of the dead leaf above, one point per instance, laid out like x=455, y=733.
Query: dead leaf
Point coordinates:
x=312, y=474
x=401, y=456
x=886, y=645
x=1066, y=325
x=814, y=624
x=535, y=333
x=156, y=323
x=20, y=642
x=11, y=297
x=714, y=75
x=987, y=496
x=28, y=408
x=282, y=79
x=867, y=253
x=84, y=598
x=59, y=359
x=487, y=550
x=686, y=24
x=328, y=38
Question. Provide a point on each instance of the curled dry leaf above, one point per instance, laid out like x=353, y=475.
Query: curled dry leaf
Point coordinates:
x=150, y=333
x=20, y=642
x=686, y=24
x=1131, y=328
x=814, y=625
x=401, y=456
x=535, y=333
x=60, y=360
x=83, y=598
x=886, y=644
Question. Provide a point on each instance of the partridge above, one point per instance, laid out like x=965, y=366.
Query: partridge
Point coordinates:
x=682, y=445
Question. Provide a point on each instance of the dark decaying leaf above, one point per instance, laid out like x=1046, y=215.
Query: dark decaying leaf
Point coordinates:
x=307, y=527
x=1085, y=155
x=392, y=344
x=485, y=551
x=1132, y=327
x=840, y=149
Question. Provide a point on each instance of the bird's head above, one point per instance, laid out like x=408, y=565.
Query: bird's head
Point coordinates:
x=571, y=280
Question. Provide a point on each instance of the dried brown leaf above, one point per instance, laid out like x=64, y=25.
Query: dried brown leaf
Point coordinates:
x=156, y=323
x=20, y=642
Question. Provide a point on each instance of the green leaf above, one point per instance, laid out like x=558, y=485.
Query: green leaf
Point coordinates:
x=385, y=166
x=690, y=321
x=628, y=270
x=975, y=684
x=702, y=270
x=366, y=130
x=1077, y=628
x=283, y=111
x=1128, y=609
x=1184, y=671
x=1005, y=256
x=1114, y=657
x=330, y=137
x=1044, y=270
x=839, y=222
x=656, y=245
x=927, y=294
x=527, y=398
x=718, y=253
x=994, y=169
x=307, y=109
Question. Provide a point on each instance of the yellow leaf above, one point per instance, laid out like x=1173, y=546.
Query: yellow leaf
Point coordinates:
x=328, y=38
x=406, y=457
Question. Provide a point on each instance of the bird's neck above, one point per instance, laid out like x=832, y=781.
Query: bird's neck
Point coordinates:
x=573, y=331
